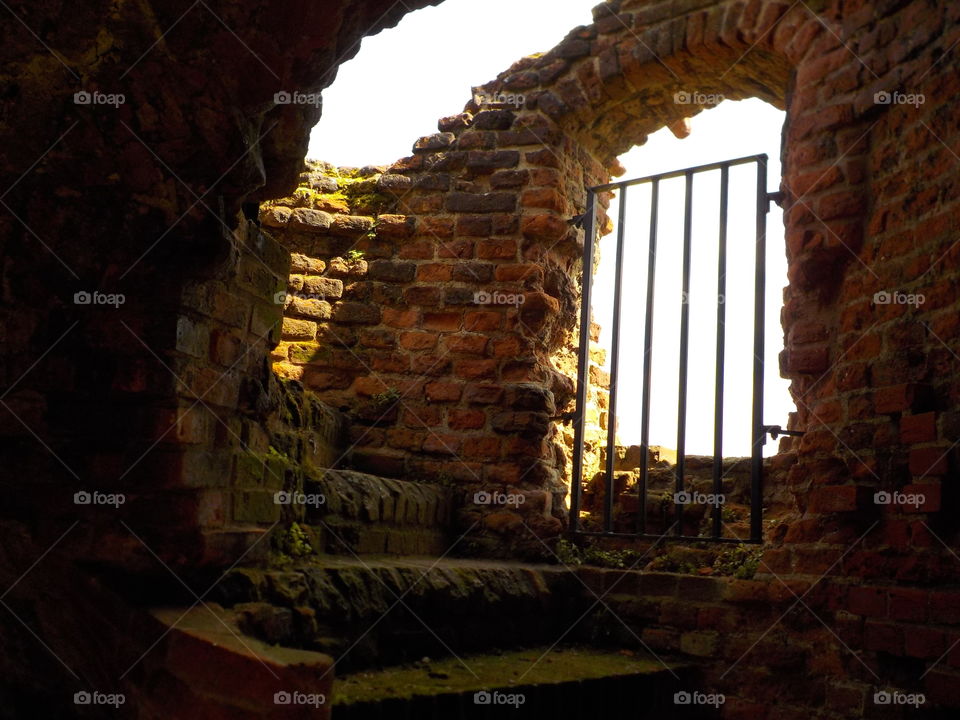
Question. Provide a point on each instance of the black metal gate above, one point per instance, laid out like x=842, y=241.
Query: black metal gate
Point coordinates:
x=758, y=430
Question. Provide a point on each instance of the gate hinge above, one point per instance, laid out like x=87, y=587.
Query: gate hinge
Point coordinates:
x=776, y=197
x=774, y=431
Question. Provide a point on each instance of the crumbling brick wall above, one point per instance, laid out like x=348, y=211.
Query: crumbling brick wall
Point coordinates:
x=870, y=204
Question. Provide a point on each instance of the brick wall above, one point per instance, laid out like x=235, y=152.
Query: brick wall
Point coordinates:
x=869, y=182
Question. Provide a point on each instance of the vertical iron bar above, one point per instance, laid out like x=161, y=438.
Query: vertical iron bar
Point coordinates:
x=756, y=469
x=583, y=358
x=648, y=358
x=684, y=349
x=614, y=364
x=721, y=350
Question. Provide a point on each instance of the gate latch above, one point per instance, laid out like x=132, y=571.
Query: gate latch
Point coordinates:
x=775, y=431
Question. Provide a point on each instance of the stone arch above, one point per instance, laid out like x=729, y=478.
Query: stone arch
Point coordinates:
x=495, y=189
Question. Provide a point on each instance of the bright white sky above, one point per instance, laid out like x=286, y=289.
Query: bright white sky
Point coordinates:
x=404, y=79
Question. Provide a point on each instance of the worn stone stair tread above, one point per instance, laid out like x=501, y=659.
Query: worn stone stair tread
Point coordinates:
x=506, y=672
x=424, y=562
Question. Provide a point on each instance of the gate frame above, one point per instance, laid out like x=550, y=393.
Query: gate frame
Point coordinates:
x=759, y=430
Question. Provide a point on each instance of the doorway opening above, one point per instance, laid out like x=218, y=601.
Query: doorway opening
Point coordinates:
x=684, y=368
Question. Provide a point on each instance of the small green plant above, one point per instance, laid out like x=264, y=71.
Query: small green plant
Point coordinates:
x=671, y=562
x=387, y=397
x=354, y=255
x=568, y=553
x=740, y=561
x=295, y=543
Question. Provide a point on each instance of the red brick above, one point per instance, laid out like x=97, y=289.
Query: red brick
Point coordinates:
x=442, y=444
x=543, y=198
x=400, y=318
x=883, y=637
x=420, y=250
x=443, y=391
x=481, y=448
x=945, y=607
x=908, y=604
x=474, y=225
x=378, y=463
x=548, y=228
x=929, y=461
x=931, y=498
x=422, y=416
x=924, y=642
x=444, y=321
x=466, y=419
x=482, y=320
x=404, y=439
x=516, y=273
x=421, y=295
x=434, y=272
x=901, y=398
x=943, y=688
x=389, y=363
x=508, y=474
x=868, y=601
x=459, y=248
x=833, y=499
x=483, y=393
x=497, y=249
x=369, y=385
x=417, y=340
x=918, y=428
x=475, y=369
x=467, y=344
x=437, y=227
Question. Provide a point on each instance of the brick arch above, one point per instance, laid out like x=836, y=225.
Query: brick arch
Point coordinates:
x=611, y=84
x=495, y=188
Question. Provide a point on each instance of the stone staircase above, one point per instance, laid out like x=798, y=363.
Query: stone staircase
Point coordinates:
x=368, y=605
x=425, y=637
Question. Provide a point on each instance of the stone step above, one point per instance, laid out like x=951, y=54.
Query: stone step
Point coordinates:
x=538, y=682
x=366, y=514
x=203, y=665
x=378, y=609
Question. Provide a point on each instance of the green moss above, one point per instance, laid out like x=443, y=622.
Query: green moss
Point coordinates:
x=672, y=562
x=293, y=544
x=450, y=675
x=387, y=397
x=740, y=561
x=572, y=554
